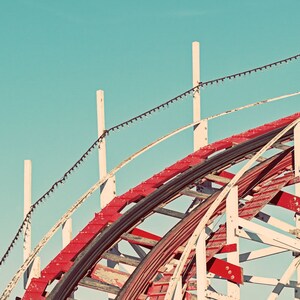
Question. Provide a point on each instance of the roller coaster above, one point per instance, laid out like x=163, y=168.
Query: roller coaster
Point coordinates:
x=218, y=202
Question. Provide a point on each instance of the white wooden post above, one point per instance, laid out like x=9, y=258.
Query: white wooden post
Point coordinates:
x=67, y=232
x=200, y=130
x=108, y=189
x=27, y=205
x=201, y=265
x=233, y=289
x=297, y=193
x=34, y=269
x=67, y=237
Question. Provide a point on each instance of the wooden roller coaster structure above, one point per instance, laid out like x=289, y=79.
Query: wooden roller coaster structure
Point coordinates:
x=83, y=261
x=205, y=205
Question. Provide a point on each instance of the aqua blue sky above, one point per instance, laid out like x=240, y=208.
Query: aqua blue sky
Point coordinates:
x=54, y=55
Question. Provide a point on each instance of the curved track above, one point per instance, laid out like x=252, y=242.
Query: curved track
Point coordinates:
x=81, y=262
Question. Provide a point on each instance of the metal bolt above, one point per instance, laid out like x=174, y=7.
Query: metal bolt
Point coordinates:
x=227, y=268
x=229, y=272
x=232, y=277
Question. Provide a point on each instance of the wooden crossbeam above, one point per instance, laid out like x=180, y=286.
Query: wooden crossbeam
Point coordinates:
x=188, y=192
x=98, y=285
x=124, y=259
x=170, y=212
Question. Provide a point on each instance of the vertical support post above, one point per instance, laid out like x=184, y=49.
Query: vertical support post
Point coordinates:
x=201, y=265
x=27, y=205
x=232, y=200
x=108, y=189
x=101, y=128
x=66, y=232
x=297, y=193
x=34, y=269
x=200, y=130
x=67, y=237
x=178, y=291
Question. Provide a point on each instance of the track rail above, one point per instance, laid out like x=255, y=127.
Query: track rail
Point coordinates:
x=167, y=247
x=131, y=218
x=97, y=237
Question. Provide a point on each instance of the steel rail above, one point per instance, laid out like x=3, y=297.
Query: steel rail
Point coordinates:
x=214, y=206
x=108, y=236
x=181, y=232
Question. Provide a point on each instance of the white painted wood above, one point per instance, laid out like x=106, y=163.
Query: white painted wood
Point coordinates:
x=200, y=130
x=27, y=205
x=107, y=191
x=260, y=238
x=281, y=225
x=36, y=268
x=276, y=236
x=201, y=265
x=269, y=233
x=108, y=188
x=217, y=296
x=232, y=201
x=101, y=128
x=266, y=281
x=33, y=270
x=258, y=280
x=260, y=253
x=178, y=290
x=66, y=232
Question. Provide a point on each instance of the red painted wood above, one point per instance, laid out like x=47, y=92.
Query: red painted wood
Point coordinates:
x=226, y=270
x=288, y=201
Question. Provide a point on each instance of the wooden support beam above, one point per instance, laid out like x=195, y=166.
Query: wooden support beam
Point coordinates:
x=216, y=178
x=170, y=213
x=109, y=275
x=135, y=239
x=259, y=159
x=190, y=193
x=98, y=285
x=124, y=259
x=281, y=146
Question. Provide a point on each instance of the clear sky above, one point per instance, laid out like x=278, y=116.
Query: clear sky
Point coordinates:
x=54, y=55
